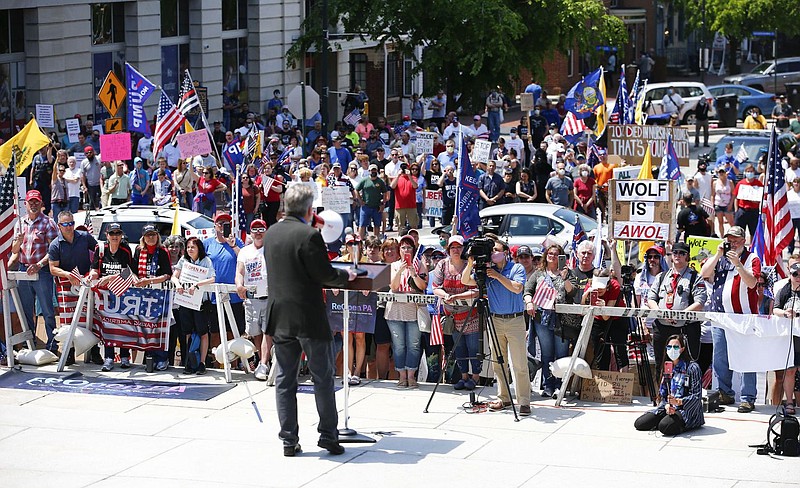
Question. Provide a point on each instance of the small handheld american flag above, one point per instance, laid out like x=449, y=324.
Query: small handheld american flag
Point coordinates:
x=120, y=283
x=545, y=296
x=437, y=335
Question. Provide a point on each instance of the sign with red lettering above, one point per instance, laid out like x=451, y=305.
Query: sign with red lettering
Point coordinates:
x=641, y=210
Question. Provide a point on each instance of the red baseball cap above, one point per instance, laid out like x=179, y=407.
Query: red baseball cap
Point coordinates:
x=88, y=148
x=223, y=216
x=258, y=223
x=33, y=195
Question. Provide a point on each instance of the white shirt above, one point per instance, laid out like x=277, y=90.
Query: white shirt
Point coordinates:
x=793, y=204
x=791, y=174
x=73, y=189
x=144, y=148
x=704, y=182
x=480, y=132
x=172, y=154
x=452, y=131
x=207, y=161
x=255, y=269
x=517, y=145
x=671, y=105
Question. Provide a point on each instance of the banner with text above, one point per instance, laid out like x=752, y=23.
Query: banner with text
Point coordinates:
x=433, y=203
x=629, y=142
x=362, y=305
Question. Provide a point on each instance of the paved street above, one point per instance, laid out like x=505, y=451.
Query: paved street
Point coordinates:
x=74, y=440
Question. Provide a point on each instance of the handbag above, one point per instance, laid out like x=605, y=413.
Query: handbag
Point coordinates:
x=567, y=326
x=423, y=319
x=448, y=324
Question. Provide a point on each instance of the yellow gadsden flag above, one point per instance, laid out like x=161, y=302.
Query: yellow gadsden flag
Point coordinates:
x=29, y=140
x=646, y=173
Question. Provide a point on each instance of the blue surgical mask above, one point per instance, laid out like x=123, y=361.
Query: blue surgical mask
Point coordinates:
x=749, y=174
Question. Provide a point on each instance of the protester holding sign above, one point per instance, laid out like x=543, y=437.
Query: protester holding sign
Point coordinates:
x=747, y=200
x=205, y=202
x=194, y=270
x=110, y=259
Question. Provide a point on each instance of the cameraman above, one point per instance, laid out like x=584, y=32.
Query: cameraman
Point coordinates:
x=678, y=288
x=505, y=281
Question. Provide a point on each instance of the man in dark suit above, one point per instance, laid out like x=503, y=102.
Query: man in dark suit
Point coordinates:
x=299, y=268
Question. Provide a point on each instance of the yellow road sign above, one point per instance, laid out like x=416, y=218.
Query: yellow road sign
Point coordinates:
x=114, y=125
x=112, y=94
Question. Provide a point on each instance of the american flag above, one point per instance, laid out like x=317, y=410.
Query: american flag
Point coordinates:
x=353, y=117
x=8, y=214
x=630, y=109
x=77, y=274
x=168, y=122
x=578, y=236
x=592, y=156
x=251, y=144
x=267, y=182
x=778, y=228
x=189, y=98
x=708, y=206
x=144, y=327
x=572, y=127
x=437, y=336
x=120, y=283
x=67, y=300
x=545, y=296
x=620, y=110
x=240, y=217
x=741, y=154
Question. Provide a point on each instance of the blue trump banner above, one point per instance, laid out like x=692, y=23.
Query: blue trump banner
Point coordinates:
x=139, y=90
x=467, y=217
x=585, y=96
x=670, y=168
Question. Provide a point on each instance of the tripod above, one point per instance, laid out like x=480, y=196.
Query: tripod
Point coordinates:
x=637, y=341
x=480, y=306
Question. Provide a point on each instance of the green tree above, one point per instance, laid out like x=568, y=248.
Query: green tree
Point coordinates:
x=471, y=45
x=737, y=19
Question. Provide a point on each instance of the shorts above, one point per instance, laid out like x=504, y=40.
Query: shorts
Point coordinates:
x=195, y=321
x=382, y=334
x=255, y=316
x=722, y=209
x=370, y=215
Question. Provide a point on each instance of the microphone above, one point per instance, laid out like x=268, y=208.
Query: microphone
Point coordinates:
x=353, y=239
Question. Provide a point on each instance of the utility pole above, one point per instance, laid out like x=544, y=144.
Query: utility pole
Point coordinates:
x=323, y=68
x=703, y=50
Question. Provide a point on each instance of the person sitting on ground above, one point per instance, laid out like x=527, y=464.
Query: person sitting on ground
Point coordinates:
x=680, y=405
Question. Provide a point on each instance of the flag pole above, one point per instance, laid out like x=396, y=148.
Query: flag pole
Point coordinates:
x=205, y=122
x=454, y=222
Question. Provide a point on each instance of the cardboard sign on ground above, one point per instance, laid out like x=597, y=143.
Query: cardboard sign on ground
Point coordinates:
x=608, y=387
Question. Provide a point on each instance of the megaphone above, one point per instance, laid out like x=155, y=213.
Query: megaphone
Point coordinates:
x=332, y=225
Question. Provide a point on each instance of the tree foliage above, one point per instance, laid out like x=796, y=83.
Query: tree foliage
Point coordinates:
x=470, y=45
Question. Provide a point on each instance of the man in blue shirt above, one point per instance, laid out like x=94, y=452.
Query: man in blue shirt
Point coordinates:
x=223, y=251
x=504, y=286
x=491, y=186
x=729, y=163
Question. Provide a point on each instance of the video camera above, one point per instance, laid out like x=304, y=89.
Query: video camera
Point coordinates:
x=628, y=274
x=480, y=249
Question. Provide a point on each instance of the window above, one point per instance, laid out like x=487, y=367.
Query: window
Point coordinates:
x=408, y=77
x=358, y=70
x=234, y=14
x=12, y=39
x=102, y=63
x=174, y=61
x=568, y=215
x=234, y=67
x=174, y=18
x=570, y=63
x=789, y=67
x=108, y=23
x=392, y=90
x=528, y=225
x=12, y=98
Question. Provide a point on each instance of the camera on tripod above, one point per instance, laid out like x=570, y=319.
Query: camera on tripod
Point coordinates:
x=480, y=249
x=628, y=273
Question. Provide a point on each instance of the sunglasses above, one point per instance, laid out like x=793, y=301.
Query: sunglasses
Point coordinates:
x=258, y=230
x=795, y=274
x=653, y=256
x=673, y=347
x=117, y=233
x=66, y=224
x=679, y=253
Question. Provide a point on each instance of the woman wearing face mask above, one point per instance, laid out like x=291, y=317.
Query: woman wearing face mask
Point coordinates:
x=747, y=200
x=755, y=120
x=723, y=200
x=584, y=190
x=680, y=405
x=526, y=189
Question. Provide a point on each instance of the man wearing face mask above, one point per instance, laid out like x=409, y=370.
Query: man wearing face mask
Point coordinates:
x=734, y=272
x=559, y=188
x=748, y=194
x=678, y=288
x=701, y=121
x=703, y=181
x=729, y=162
x=373, y=193
x=515, y=143
x=672, y=102
x=781, y=113
x=451, y=131
x=505, y=284
x=538, y=126
x=449, y=156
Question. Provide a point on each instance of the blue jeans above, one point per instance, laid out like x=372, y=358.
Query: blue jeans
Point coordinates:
x=723, y=372
x=552, y=348
x=467, y=347
x=494, y=125
x=74, y=204
x=58, y=208
x=406, y=344
x=43, y=291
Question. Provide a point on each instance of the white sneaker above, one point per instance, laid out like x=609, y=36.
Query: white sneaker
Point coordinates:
x=108, y=365
x=261, y=372
x=125, y=363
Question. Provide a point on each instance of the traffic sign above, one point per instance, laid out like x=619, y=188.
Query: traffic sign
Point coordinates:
x=113, y=125
x=112, y=94
x=764, y=33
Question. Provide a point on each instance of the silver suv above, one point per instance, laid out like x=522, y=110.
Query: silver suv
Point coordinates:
x=769, y=75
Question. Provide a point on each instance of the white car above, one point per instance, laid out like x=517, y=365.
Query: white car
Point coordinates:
x=691, y=93
x=529, y=224
x=132, y=218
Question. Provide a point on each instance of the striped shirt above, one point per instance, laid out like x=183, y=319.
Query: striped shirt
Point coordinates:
x=730, y=294
x=685, y=384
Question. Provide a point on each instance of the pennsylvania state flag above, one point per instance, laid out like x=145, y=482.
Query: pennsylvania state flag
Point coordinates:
x=586, y=95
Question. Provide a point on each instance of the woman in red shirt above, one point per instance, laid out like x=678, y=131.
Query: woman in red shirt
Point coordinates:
x=584, y=188
x=251, y=198
x=747, y=200
x=271, y=199
x=205, y=202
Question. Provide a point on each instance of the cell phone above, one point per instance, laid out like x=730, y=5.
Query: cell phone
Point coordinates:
x=593, y=298
x=407, y=259
x=668, y=367
x=226, y=229
x=726, y=247
x=562, y=261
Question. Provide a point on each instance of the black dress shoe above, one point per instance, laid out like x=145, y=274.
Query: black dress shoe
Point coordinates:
x=332, y=447
x=290, y=451
x=95, y=355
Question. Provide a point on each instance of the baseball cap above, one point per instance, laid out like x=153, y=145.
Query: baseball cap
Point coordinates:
x=336, y=165
x=113, y=227
x=413, y=122
x=409, y=239
x=477, y=117
x=537, y=251
x=223, y=217
x=148, y=229
x=33, y=195
x=658, y=249
x=524, y=251
x=373, y=166
x=680, y=246
x=438, y=253
x=88, y=148
x=735, y=231
x=513, y=130
x=406, y=117
x=794, y=268
x=455, y=240
x=257, y=224
x=137, y=159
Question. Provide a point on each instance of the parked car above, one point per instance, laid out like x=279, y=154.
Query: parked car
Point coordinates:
x=756, y=142
x=769, y=75
x=691, y=93
x=133, y=217
x=529, y=223
x=749, y=97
